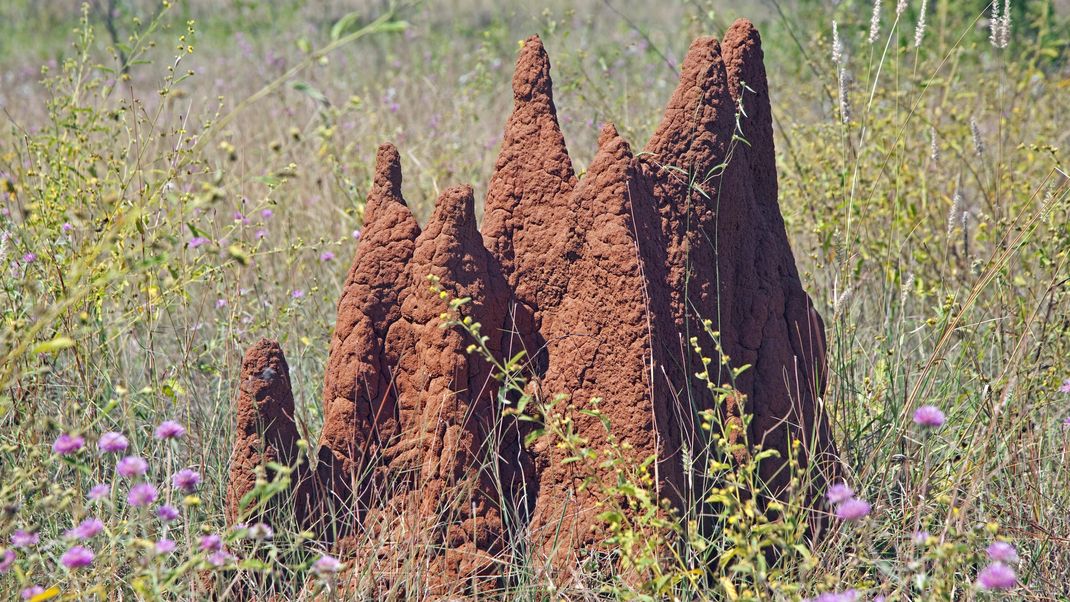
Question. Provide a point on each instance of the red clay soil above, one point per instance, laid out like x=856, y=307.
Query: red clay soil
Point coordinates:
x=421, y=480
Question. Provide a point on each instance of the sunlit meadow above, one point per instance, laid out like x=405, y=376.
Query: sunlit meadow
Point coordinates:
x=179, y=179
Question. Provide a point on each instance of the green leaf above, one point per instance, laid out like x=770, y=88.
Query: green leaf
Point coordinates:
x=308, y=90
x=344, y=25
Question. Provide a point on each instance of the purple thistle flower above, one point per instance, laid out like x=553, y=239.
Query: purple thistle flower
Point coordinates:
x=928, y=416
x=1002, y=551
x=142, y=494
x=220, y=303
x=356, y=234
x=326, y=565
x=187, y=480
x=66, y=227
x=132, y=466
x=266, y=213
x=197, y=241
x=167, y=513
x=6, y=560
x=326, y=256
x=847, y=596
x=1066, y=386
x=211, y=543
x=261, y=233
x=853, y=509
x=169, y=429
x=164, y=546
x=997, y=576
x=77, y=557
x=839, y=493
x=29, y=258
x=99, y=492
x=219, y=558
x=66, y=444
x=112, y=442
x=87, y=529
x=24, y=539
x=261, y=532
x=297, y=293
x=30, y=592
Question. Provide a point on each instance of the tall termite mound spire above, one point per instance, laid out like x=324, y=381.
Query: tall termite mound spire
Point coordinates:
x=627, y=289
x=359, y=404
x=774, y=326
x=527, y=206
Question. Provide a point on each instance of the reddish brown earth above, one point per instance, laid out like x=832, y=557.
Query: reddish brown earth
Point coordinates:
x=421, y=478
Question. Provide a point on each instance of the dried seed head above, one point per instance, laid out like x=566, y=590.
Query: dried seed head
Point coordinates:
x=875, y=22
x=978, y=143
x=919, y=29
x=837, y=46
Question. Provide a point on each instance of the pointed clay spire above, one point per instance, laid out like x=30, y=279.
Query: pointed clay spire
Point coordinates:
x=526, y=206
x=359, y=407
x=599, y=345
x=264, y=431
x=444, y=491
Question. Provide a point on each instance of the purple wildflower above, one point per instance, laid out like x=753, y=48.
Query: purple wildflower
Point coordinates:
x=219, y=558
x=66, y=444
x=1002, y=551
x=839, y=493
x=132, y=466
x=997, y=576
x=167, y=513
x=169, y=429
x=220, y=303
x=30, y=592
x=326, y=256
x=142, y=494
x=99, y=492
x=112, y=442
x=66, y=227
x=261, y=233
x=1066, y=386
x=261, y=532
x=356, y=236
x=211, y=543
x=165, y=546
x=6, y=560
x=87, y=529
x=297, y=293
x=24, y=539
x=920, y=537
x=853, y=509
x=197, y=241
x=847, y=596
x=928, y=416
x=187, y=480
x=29, y=258
x=266, y=213
x=326, y=565
x=77, y=557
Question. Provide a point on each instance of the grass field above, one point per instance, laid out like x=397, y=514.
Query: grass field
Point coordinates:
x=181, y=179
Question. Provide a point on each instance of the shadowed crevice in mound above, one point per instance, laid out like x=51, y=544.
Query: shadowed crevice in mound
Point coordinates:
x=422, y=483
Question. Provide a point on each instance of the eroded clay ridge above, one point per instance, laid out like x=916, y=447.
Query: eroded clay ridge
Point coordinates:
x=420, y=478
